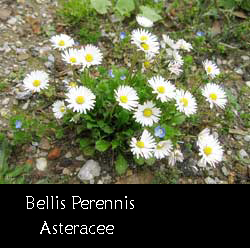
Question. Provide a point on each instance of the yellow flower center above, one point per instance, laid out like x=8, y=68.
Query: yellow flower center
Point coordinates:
x=61, y=43
x=208, y=150
x=144, y=38
x=147, y=112
x=147, y=64
x=73, y=60
x=72, y=84
x=89, y=58
x=145, y=46
x=184, y=101
x=124, y=99
x=62, y=109
x=80, y=100
x=36, y=83
x=140, y=144
x=161, y=89
x=213, y=96
x=209, y=69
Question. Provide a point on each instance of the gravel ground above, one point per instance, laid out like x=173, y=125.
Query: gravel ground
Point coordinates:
x=25, y=27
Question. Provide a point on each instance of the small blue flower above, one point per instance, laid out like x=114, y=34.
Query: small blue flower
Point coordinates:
x=111, y=74
x=200, y=33
x=122, y=35
x=160, y=132
x=18, y=124
x=123, y=77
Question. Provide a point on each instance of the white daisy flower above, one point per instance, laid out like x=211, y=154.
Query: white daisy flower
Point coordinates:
x=147, y=114
x=144, y=22
x=215, y=95
x=72, y=56
x=126, y=97
x=70, y=84
x=211, y=69
x=167, y=40
x=175, y=156
x=163, y=149
x=177, y=58
x=182, y=44
x=210, y=150
x=36, y=81
x=59, y=109
x=62, y=41
x=164, y=89
x=185, y=102
x=145, y=41
x=143, y=147
x=80, y=99
x=175, y=68
x=202, y=135
x=91, y=55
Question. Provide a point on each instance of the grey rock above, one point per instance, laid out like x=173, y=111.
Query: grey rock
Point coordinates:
x=247, y=138
x=248, y=83
x=5, y=14
x=41, y=164
x=239, y=71
x=210, y=180
x=243, y=154
x=89, y=171
x=5, y=101
x=245, y=58
x=12, y=21
x=66, y=172
x=225, y=171
x=23, y=95
x=68, y=155
x=26, y=105
x=80, y=158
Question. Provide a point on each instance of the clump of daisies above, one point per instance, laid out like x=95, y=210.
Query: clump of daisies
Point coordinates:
x=148, y=113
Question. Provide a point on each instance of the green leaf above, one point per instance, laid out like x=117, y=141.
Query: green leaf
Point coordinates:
x=89, y=151
x=150, y=13
x=178, y=120
x=121, y=165
x=84, y=143
x=115, y=144
x=125, y=6
x=139, y=161
x=150, y=161
x=101, y=6
x=102, y=145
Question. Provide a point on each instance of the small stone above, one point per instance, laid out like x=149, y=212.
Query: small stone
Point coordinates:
x=54, y=154
x=44, y=144
x=210, y=180
x=23, y=56
x=248, y=83
x=23, y=95
x=245, y=58
x=4, y=14
x=247, y=138
x=25, y=106
x=225, y=171
x=80, y=158
x=66, y=172
x=41, y=164
x=89, y=171
x=51, y=58
x=6, y=101
x=68, y=155
x=12, y=21
x=239, y=71
x=243, y=154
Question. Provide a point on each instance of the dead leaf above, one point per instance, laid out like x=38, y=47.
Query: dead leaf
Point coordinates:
x=35, y=24
x=216, y=29
x=240, y=14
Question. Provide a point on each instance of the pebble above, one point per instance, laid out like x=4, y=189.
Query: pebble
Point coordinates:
x=80, y=158
x=23, y=56
x=44, y=144
x=247, y=138
x=245, y=58
x=239, y=71
x=210, y=180
x=41, y=164
x=225, y=171
x=26, y=105
x=248, y=83
x=6, y=101
x=12, y=21
x=243, y=154
x=89, y=171
x=23, y=95
x=4, y=14
x=66, y=172
x=68, y=155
